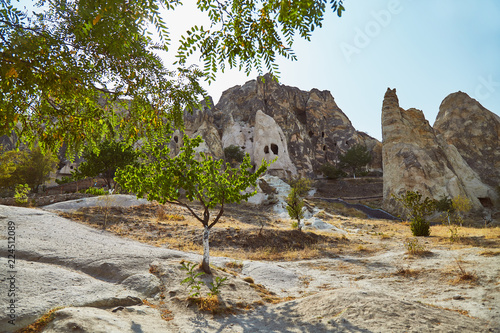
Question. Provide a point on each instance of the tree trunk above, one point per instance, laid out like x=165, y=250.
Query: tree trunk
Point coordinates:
x=299, y=225
x=205, y=264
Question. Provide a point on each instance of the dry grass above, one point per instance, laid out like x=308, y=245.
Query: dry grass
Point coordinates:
x=407, y=272
x=460, y=275
x=40, y=324
x=469, y=236
x=160, y=306
x=415, y=248
x=490, y=253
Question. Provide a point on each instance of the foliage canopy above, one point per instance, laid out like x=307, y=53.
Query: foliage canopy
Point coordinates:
x=103, y=163
x=70, y=68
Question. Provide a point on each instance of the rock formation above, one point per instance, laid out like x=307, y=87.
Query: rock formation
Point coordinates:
x=415, y=158
x=474, y=131
x=266, y=119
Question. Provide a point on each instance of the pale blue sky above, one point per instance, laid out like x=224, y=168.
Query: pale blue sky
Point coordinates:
x=425, y=49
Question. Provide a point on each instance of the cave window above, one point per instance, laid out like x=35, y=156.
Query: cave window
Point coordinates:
x=486, y=202
x=266, y=150
x=243, y=147
x=347, y=143
x=311, y=133
x=335, y=144
x=322, y=134
x=324, y=148
x=176, y=139
x=71, y=167
x=274, y=148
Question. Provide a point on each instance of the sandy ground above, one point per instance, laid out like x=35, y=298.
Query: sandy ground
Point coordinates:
x=372, y=285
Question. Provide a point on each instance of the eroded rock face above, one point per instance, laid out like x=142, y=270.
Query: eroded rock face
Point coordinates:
x=415, y=158
x=266, y=119
x=474, y=131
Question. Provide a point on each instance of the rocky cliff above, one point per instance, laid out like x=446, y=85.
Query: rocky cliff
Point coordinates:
x=474, y=131
x=416, y=157
x=266, y=119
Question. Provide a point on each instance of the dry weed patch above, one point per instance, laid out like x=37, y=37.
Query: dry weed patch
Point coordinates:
x=407, y=272
x=40, y=324
x=461, y=275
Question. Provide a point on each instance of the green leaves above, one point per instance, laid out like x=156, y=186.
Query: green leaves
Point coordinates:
x=251, y=34
x=416, y=211
x=202, y=178
x=76, y=72
x=71, y=70
x=104, y=160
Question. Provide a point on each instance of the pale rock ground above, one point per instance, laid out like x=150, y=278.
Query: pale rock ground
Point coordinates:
x=92, y=272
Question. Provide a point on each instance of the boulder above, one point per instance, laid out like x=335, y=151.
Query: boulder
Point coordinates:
x=415, y=158
x=475, y=131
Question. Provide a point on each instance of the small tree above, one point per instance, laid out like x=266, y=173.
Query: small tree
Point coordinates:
x=8, y=164
x=331, y=172
x=233, y=154
x=416, y=211
x=294, y=206
x=355, y=158
x=301, y=185
x=103, y=163
x=31, y=167
x=209, y=182
x=34, y=167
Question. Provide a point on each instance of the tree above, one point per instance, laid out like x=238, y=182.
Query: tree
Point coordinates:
x=355, y=158
x=34, y=167
x=103, y=163
x=71, y=66
x=208, y=181
x=234, y=154
x=30, y=167
x=294, y=206
x=8, y=160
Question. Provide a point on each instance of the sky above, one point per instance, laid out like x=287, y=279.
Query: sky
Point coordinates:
x=426, y=49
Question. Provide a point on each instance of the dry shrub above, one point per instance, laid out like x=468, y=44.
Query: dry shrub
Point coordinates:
x=407, y=272
x=162, y=215
x=463, y=276
x=414, y=247
x=234, y=265
x=164, y=312
x=248, y=279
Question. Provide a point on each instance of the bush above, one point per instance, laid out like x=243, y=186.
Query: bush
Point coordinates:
x=234, y=154
x=444, y=205
x=21, y=195
x=64, y=180
x=420, y=227
x=416, y=211
x=331, y=172
x=96, y=191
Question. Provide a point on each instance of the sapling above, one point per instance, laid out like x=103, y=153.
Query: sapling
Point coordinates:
x=294, y=206
x=202, y=178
